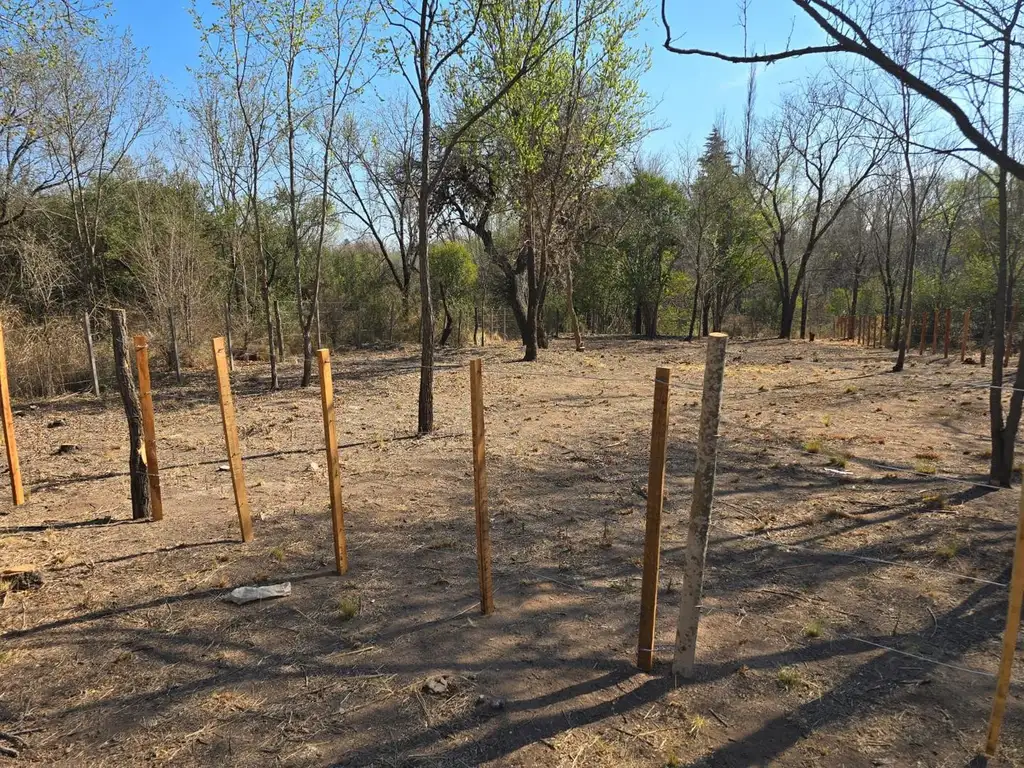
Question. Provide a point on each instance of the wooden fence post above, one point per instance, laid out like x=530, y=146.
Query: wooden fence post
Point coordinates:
x=174, y=344
x=935, y=332
x=227, y=413
x=483, y=522
x=13, y=464
x=333, y=470
x=141, y=506
x=924, y=332
x=1009, y=635
x=652, y=532
x=965, y=332
x=92, y=356
x=148, y=427
x=227, y=335
x=700, y=509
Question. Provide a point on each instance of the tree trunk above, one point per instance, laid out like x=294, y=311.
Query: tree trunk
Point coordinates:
x=425, y=415
x=447, y=319
x=139, y=480
x=693, y=309
x=573, y=317
x=803, y=312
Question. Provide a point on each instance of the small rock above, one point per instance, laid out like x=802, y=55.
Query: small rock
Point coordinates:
x=497, y=704
x=57, y=423
x=223, y=468
x=438, y=684
x=314, y=467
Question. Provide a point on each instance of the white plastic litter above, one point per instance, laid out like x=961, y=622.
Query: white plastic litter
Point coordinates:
x=243, y=595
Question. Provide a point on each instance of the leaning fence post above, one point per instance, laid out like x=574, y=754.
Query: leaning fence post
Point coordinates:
x=1009, y=635
x=700, y=509
x=652, y=531
x=92, y=356
x=148, y=428
x=227, y=413
x=17, y=492
x=483, y=523
x=333, y=471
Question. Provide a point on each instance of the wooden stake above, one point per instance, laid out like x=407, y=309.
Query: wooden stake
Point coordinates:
x=924, y=332
x=278, y=331
x=965, y=332
x=700, y=509
x=483, y=522
x=148, y=427
x=92, y=357
x=652, y=533
x=17, y=492
x=935, y=333
x=174, y=345
x=1013, y=610
x=141, y=507
x=227, y=413
x=333, y=469
x=945, y=333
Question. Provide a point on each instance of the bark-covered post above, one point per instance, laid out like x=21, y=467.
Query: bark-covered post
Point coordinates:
x=174, y=344
x=139, y=478
x=148, y=426
x=700, y=508
x=652, y=529
x=92, y=356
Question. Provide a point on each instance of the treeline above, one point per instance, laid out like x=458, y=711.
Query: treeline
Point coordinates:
x=376, y=171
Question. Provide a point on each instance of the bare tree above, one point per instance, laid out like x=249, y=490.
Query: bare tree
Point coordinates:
x=104, y=101
x=430, y=37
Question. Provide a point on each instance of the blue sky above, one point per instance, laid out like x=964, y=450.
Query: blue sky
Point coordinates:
x=689, y=93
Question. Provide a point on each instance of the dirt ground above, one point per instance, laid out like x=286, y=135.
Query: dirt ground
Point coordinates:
x=128, y=654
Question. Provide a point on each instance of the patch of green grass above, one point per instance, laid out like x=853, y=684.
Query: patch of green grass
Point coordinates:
x=278, y=554
x=850, y=390
x=837, y=460
x=349, y=607
x=935, y=500
x=6, y=656
x=790, y=678
x=826, y=420
x=925, y=468
x=813, y=446
x=698, y=724
x=814, y=628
